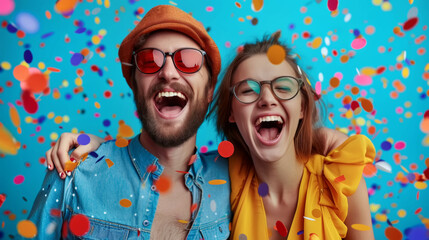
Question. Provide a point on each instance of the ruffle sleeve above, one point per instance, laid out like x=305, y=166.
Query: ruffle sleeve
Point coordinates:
x=335, y=177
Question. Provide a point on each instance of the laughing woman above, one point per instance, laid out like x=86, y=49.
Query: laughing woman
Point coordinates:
x=284, y=182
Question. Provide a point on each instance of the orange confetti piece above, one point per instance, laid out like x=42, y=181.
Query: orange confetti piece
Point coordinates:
x=257, y=5
x=184, y=172
x=163, y=184
x=340, y=178
x=369, y=170
x=217, y=182
x=192, y=159
x=20, y=72
x=14, y=116
x=27, y=229
x=393, y=233
x=52, y=69
x=121, y=142
x=126, y=203
x=125, y=130
x=8, y=144
x=276, y=54
x=366, y=104
x=48, y=14
x=334, y=82
x=109, y=162
x=183, y=221
x=70, y=166
x=36, y=82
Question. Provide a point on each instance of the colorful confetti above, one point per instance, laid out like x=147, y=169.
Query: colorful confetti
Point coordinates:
x=225, y=149
x=79, y=225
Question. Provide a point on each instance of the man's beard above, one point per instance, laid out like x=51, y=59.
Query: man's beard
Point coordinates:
x=189, y=126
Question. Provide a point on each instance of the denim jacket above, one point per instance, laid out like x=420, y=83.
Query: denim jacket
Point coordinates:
x=120, y=200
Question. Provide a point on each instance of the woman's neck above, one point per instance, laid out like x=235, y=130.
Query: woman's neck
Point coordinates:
x=283, y=177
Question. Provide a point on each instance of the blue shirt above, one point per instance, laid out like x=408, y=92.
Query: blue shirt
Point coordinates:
x=120, y=200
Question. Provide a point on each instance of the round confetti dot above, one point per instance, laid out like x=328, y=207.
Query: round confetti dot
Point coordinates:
x=27, y=22
x=163, y=184
x=126, y=203
x=36, y=82
x=18, y=179
x=332, y=5
x=316, y=213
x=121, y=142
x=358, y=43
x=257, y=5
x=276, y=54
x=83, y=139
x=6, y=7
x=363, y=80
x=20, y=72
x=213, y=205
x=263, y=189
x=79, y=225
x=27, y=229
x=225, y=149
x=393, y=233
x=28, y=56
x=399, y=145
x=334, y=82
x=76, y=59
x=386, y=145
x=242, y=237
x=204, y=149
x=106, y=122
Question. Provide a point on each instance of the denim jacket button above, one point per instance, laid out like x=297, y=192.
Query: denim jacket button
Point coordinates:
x=220, y=229
x=153, y=188
x=145, y=223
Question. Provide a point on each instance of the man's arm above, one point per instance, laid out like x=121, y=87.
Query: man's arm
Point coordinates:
x=48, y=209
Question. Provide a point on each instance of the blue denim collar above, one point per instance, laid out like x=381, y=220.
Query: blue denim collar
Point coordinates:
x=142, y=159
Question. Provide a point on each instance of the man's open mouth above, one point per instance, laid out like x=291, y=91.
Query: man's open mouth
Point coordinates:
x=268, y=128
x=170, y=103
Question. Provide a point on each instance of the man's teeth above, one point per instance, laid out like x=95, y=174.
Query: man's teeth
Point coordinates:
x=171, y=94
x=269, y=119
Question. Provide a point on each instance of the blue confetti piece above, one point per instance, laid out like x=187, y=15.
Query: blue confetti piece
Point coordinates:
x=76, y=59
x=263, y=189
x=11, y=28
x=356, y=32
x=100, y=159
x=300, y=232
x=80, y=30
x=106, y=122
x=47, y=35
x=83, y=139
x=41, y=119
x=28, y=56
x=93, y=154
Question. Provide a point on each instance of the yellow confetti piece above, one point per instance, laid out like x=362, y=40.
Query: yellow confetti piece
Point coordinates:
x=316, y=43
x=381, y=217
x=405, y=72
x=425, y=141
x=420, y=185
x=78, y=81
x=374, y=207
x=8, y=144
x=402, y=213
x=6, y=65
x=183, y=221
x=96, y=40
x=27, y=229
x=53, y=136
x=97, y=105
x=307, y=20
x=386, y=6
x=14, y=116
x=126, y=203
x=369, y=71
x=109, y=162
x=361, y=227
x=403, y=168
x=427, y=67
x=349, y=114
x=107, y=4
x=276, y=54
x=97, y=20
x=217, y=182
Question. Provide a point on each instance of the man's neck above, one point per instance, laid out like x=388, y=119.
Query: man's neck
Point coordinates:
x=171, y=158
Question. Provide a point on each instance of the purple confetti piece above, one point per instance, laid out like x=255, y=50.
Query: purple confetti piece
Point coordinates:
x=28, y=56
x=99, y=159
x=80, y=30
x=11, y=28
x=93, y=154
x=76, y=59
x=83, y=139
x=47, y=35
x=263, y=189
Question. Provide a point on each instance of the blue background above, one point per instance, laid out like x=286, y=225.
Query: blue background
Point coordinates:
x=394, y=197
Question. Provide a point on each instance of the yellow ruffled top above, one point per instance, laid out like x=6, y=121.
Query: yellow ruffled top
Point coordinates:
x=322, y=202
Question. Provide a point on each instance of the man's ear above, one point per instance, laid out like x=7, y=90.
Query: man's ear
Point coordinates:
x=210, y=94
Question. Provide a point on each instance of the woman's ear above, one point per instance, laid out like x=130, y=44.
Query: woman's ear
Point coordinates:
x=231, y=118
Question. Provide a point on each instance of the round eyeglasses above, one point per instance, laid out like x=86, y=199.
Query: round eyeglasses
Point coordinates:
x=284, y=88
x=186, y=60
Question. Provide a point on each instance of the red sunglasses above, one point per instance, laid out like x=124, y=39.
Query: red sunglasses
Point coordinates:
x=186, y=60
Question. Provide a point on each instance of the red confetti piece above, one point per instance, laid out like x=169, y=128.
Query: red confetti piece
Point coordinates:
x=30, y=104
x=151, y=168
x=194, y=207
x=410, y=23
x=64, y=231
x=2, y=199
x=36, y=82
x=418, y=211
x=192, y=159
x=163, y=184
x=281, y=229
x=79, y=225
x=225, y=149
x=418, y=196
x=55, y=212
x=340, y=178
x=332, y=5
x=184, y=172
x=393, y=233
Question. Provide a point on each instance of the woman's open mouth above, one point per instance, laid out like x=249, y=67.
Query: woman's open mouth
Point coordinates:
x=269, y=128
